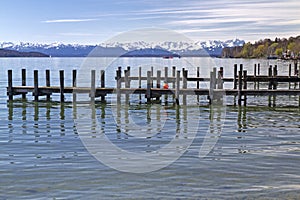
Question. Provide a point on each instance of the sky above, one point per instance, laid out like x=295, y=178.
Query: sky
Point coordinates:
x=96, y=21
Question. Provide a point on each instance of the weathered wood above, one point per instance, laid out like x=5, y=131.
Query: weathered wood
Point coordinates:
x=102, y=83
x=74, y=84
x=240, y=86
x=48, y=96
x=235, y=76
x=177, y=88
x=158, y=80
x=10, y=85
x=220, y=78
x=93, y=86
x=270, y=76
x=119, y=83
x=62, y=85
x=36, y=85
x=24, y=82
x=148, y=93
x=245, y=86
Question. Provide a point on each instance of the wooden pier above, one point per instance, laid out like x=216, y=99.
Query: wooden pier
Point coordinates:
x=177, y=85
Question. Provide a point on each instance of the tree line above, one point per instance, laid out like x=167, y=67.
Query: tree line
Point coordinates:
x=267, y=48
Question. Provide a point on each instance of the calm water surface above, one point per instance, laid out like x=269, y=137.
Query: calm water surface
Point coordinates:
x=256, y=152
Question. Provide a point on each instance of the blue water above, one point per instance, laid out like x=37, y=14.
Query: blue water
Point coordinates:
x=255, y=150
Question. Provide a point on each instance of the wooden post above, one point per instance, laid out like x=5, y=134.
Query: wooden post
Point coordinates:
x=158, y=80
x=245, y=86
x=140, y=82
x=10, y=85
x=148, y=92
x=290, y=70
x=198, y=82
x=127, y=84
x=174, y=75
x=166, y=81
x=62, y=85
x=240, y=84
x=152, y=73
x=270, y=76
x=184, y=84
x=296, y=73
x=74, y=84
x=36, y=85
x=258, y=73
x=213, y=75
x=235, y=77
x=177, y=88
x=119, y=83
x=290, y=74
x=126, y=77
x=220, y=78
x=93, y=85
x=102, y=84
x=270, y=73
x=48, y=82
x=295, y=68
x=255, y=68
x=275, y=73
x=24, y=82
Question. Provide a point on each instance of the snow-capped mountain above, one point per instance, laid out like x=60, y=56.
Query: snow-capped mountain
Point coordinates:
x=207, y=48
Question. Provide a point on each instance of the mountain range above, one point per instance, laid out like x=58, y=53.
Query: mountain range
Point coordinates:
x=208, y=48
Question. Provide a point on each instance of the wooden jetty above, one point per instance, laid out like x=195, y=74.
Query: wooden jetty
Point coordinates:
x=178, y=85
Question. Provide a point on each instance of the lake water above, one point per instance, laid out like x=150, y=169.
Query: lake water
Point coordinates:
x=58, y=151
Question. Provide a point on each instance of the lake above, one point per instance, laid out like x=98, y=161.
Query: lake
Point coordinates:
x=50, y=150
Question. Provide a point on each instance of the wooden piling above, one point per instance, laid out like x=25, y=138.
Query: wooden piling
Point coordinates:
x=140, y=82
x=119, y=83
x=184, y=83
x=23, y=82
x=275, y=73
x=93, y=86
x=102, y=83
x=148, y=92
x=36, y=85
x=270, y=76
x=220, y=78
x=235, y=81
x=255, y=71
x=177, y=88
x=48, y=96
x=245, y=86
x=74, y=84
x=212, y=84
x=240, y=85
x=158, y=80
x=166, y=81
x=10, y=85
x=198, y=82
x=62, y=85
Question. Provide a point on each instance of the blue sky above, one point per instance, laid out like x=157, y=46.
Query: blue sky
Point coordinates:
x=95, y=21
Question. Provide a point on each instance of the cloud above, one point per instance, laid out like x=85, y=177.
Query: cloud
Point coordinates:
x=69, y=20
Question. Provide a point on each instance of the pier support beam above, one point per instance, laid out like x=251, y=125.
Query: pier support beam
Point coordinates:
x=48, y=83
x=23, y=82
x=177, y=87
x=62, y=85
x=10, y=86
x=36, y=85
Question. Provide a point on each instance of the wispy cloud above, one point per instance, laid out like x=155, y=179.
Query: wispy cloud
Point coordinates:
x=69, y=20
